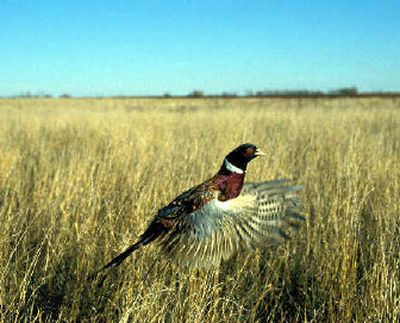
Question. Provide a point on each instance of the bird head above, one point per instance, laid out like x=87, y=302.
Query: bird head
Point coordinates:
x=242, y=155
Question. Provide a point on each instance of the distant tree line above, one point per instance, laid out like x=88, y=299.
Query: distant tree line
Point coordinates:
x=29, y=95
x=343, y=92
x=40, y=95
x=346, y=91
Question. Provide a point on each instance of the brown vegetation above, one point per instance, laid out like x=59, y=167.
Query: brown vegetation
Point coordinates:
x=80, y=179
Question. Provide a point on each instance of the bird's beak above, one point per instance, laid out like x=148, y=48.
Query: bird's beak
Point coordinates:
x=259, y=152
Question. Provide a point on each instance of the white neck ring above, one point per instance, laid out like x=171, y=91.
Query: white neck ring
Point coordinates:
x=233, y=168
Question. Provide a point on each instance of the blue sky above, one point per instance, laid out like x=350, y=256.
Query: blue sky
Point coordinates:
x=153, y=47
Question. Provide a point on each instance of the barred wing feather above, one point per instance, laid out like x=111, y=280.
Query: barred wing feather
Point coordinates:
x=260, y=216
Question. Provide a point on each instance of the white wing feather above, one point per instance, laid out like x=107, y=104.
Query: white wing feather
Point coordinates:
x=258, y=217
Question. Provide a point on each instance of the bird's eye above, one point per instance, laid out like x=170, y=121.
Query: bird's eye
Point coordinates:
x=249, y=152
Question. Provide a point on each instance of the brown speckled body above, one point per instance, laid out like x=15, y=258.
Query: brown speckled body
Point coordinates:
x=225, y=185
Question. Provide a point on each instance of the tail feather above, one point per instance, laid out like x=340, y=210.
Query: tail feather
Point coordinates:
x=116, y=261
x=122, y=256
x=155, y=230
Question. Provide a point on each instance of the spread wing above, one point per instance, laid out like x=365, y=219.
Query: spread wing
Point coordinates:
x=261, y=215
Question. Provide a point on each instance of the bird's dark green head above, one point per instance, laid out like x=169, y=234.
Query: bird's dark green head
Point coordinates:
x=242, y=155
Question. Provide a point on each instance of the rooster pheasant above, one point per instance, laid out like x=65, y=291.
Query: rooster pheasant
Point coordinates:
x=209, y=222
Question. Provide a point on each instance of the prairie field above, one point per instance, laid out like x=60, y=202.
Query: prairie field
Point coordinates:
x=81, y=178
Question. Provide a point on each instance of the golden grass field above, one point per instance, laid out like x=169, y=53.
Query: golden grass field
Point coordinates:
x=81, y=178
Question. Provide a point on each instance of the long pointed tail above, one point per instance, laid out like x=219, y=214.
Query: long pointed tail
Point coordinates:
x=116, y=261
x=121, y=257
x=155, y=229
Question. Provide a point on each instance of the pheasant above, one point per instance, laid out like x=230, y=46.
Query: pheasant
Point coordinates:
x=210, y=222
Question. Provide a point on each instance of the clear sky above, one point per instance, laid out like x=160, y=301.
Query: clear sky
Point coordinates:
x=139, y=47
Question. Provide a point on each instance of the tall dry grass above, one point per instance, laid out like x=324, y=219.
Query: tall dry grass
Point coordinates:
x=80, y=179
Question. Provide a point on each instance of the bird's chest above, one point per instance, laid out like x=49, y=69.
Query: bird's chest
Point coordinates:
x=230, y=186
